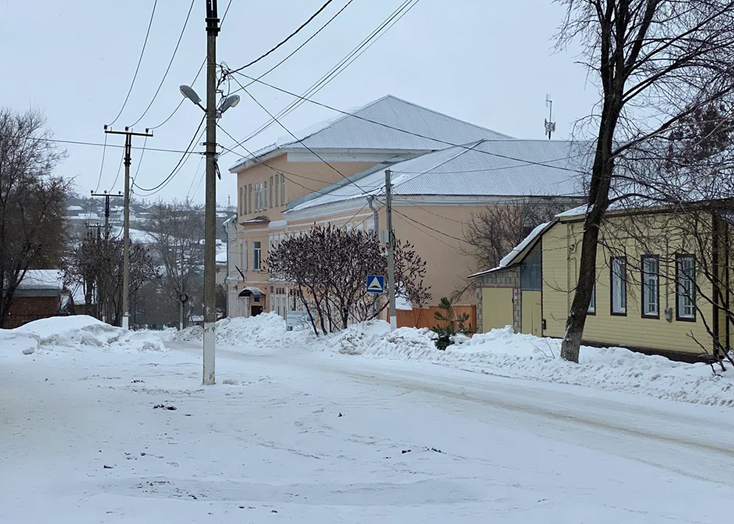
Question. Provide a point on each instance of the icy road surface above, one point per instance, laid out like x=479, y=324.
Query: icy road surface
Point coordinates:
x=324, y=438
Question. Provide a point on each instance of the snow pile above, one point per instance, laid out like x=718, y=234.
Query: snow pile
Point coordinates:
x=77, y=333
x=501, y=352
x=262, y=331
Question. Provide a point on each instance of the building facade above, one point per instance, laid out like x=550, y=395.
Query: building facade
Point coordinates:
x=443, y=171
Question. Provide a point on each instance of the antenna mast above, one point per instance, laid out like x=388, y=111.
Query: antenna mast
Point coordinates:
x=550, y=126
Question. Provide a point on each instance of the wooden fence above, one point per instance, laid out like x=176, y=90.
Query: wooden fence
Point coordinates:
x=424, y=317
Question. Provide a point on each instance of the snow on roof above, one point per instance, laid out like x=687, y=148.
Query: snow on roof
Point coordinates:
x=75, y=208
x=388, y=124
x=510, y=257
x=486, y=167
x=137, y=236
x=42, y=279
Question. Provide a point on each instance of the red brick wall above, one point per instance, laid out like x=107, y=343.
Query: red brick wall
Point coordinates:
x=26, y=309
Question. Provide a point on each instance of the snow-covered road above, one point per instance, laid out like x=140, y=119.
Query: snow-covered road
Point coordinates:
x=296, y=436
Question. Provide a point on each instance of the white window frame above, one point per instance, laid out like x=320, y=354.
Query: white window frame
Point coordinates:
x=650, y=286
x=256, y=256
x=618, y=291
x=685, y=288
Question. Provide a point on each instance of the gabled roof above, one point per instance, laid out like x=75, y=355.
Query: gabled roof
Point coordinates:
x=518, y=253
x=42, y=279
x=483, y=168
x=387, y=124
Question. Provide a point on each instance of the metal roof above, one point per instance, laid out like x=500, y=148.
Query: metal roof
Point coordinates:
x=485, y=168
x=387, y=124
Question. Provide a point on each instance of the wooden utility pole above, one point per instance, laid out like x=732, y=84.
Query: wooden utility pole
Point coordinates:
x=210, y=204
x=126, y=227
x=390, y=251
x=107, y=197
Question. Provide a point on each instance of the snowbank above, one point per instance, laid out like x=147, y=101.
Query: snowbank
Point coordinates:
x=501, y=352
x=76, y=333
x=263, y=331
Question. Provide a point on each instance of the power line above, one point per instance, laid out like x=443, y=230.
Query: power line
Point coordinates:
x=101, y=168
x=140, y=163
x=97, y=144
x=170, y=63
x=137, y=68
x=451, y=144
x=119, y=168
x=276, y=170
x=201, y=67
x=345, y=62
x=300, y=141
x=282, y=42
x=302, y=45
x=178, y=166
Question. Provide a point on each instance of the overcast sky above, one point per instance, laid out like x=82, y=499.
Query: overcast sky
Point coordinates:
x=490, y=62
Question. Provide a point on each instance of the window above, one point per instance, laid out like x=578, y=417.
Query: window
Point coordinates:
x=249, y=198
x=591, y=310
x=619, y=286
x=685, y=289
x=531, y=276
x=242, y=201
x=271, y=192
x=650, y=286
x=257, y=197
x=276, y=189
x=256, y=252
x=265, y=195
x=282, y=190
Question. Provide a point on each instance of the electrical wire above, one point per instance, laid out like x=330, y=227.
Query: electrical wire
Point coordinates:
x=170, y=63
x=273, y=68
x=140, y=163
x=99, y=144
x=137, y=68
x=345, y=62
x=178, y=166
x=283, y=42
x=193, y=179
x=117, y=175
x=201, y=68
x=523, y=162
x=101, y=167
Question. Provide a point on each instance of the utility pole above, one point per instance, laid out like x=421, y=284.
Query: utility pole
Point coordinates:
x=107, y=197
x=126, y=227
x=390, y=252
x=210, y=204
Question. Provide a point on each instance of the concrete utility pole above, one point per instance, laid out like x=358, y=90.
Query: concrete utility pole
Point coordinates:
x=210, y=205
x=126, y=227
x=107, y=197
x=390, y=252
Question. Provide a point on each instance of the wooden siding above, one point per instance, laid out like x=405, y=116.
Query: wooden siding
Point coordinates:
x=561, y=248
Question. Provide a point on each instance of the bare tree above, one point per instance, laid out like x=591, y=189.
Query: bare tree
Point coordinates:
x=657, y=62
x=178, y=231
x=330, y=266
x=495, y=230
x=32, y=202
x=98, y=264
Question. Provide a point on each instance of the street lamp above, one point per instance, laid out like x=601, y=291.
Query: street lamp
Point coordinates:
x=210, y=207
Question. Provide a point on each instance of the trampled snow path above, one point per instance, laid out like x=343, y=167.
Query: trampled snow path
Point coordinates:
x=268, y=445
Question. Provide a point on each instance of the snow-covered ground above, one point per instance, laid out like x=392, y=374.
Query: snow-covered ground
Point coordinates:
x=360, y=427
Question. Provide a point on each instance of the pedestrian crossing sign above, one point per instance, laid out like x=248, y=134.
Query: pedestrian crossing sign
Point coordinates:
x=375, y=284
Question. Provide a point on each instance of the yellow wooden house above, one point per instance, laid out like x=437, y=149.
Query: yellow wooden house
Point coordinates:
x=661, y=283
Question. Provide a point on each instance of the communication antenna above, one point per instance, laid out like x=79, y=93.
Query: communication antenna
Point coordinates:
x=550, y=126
